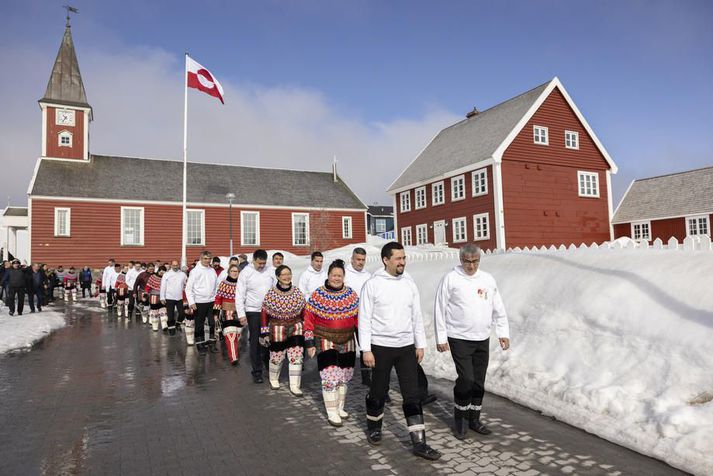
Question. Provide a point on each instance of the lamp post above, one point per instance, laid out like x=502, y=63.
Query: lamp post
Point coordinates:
x=230, y=197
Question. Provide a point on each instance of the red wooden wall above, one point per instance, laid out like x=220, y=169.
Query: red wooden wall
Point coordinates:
x=95, y=232
x=663, y=229
x=53, y=130
x=540, y=185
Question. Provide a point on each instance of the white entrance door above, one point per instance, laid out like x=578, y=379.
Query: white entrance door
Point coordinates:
x=439, y=232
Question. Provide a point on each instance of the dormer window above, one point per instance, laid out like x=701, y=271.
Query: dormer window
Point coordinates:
x=65, y=139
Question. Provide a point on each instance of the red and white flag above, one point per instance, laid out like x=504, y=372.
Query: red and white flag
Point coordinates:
x=200, y=78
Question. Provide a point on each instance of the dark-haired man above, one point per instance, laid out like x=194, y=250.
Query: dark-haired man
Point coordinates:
x=314, y=276
x=16, y=280
x=104, y=293
x=253, y=283
x=200, y=293
x=391, y=334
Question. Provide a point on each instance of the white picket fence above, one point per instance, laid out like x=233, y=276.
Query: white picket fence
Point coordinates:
x=433, y=253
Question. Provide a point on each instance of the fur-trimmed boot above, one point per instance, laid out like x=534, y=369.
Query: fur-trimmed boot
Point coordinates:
x=331, y=404
x=295, y=371
x=274, y=374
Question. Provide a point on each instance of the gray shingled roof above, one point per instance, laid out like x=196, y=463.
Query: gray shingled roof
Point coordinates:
x=380, y=210
x=468, y=141
x=15, y=212
x=65, y=85
x=125, y=178
x=680, y=194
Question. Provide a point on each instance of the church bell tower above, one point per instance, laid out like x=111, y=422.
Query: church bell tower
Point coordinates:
x=65, y=111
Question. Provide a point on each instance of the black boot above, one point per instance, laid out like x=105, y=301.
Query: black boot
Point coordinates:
x=476, y=425
x=213, y=346
x=202, y=348
x=374, y=420
x=460, y=423
x=418, y=439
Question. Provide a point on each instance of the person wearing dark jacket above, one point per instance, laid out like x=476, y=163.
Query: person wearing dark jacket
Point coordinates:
x=85, y=280
x=16, y=279
x=35, y=287
x=3, y=270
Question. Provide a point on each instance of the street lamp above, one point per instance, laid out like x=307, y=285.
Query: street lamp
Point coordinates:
x=230, y=197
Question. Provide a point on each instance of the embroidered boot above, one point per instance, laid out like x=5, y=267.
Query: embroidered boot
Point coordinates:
x=331, y=404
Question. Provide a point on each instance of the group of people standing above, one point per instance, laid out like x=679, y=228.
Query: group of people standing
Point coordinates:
x=38, y=283
x=329, y=315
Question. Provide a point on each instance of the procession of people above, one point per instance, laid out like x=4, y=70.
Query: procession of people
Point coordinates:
x=330, y=315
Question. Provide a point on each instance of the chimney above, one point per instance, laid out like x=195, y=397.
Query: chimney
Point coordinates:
x=334, y=169
x=472, y=113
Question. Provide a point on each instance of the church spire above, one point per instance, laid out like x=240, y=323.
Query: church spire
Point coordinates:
x=65, y=86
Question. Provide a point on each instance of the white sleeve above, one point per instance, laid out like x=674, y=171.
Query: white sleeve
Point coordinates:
x=162, y=292
x=190, y=296
x=419, y=333
x=500, y=318
x=303, y=284
x=240, y=293
x=440, y=309
x=365, y=311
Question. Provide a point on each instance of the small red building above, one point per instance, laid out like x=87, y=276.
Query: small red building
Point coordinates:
x=675, y=205
x=527, y=172
x=85, y=208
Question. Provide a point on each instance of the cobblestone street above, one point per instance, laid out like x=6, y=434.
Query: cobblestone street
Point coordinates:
x=108, y=396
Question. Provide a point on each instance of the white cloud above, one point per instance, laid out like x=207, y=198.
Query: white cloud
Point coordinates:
x=137, y=97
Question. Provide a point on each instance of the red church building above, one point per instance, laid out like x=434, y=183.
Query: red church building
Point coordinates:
x=527, y=172
x=85, y=208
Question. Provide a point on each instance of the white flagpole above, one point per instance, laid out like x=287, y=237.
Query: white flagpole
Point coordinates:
x=184, y=262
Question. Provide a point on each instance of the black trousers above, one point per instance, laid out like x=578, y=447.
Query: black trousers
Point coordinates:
x=16, y=295
x=406, y=364
x=34, y=296
x=132, y=303
x=87, y=287
x=110, y=297
x=471, y=360
x=204, y=310
x=258, y=353
x=174, y=309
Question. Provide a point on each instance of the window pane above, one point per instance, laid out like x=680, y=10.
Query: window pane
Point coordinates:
x=132, y=226
x=299, y=226
x=194, y=227
x=380, y=225
x=249, y=228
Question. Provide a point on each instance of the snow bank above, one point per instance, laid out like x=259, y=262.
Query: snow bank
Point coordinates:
x=20, y=332
x=617, y=342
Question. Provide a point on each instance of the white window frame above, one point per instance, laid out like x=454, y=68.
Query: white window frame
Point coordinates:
x=454, y=180
x=202, y=213
x=378, y=221
x=538, y=132
x=243, y=214
x=420, y=193
x=404, y=234
x=68, y=221
x=698, y=218
x=141, y=222
x=464, y=228
x=479, y=217
x=405, y=200
x=442, y=185
x=422, y=232
x=582, y=191
x=639, y=224
x=480, y=173
x=571, y=139
x=294, y=235
x=65, y=134
x=348, y=232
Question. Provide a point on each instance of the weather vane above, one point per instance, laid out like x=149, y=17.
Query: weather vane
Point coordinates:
x=70, y=9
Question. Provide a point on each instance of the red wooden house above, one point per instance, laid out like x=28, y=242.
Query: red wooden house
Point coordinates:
x=675, y=205
x=85, y=208
x=527, y=172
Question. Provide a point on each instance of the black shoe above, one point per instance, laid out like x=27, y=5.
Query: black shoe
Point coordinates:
x=257, y=378
x=39, y=310
x=172, y=332
x=202, y=348
x=235, y=362
x=12, y=313
x=429, y=399
x=32, y=311
x=374, y=437
x=478, y=427
x=424, y=451
x=213, y=347
x=460, y=426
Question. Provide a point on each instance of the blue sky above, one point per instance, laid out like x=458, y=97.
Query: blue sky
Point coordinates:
x=369, y=81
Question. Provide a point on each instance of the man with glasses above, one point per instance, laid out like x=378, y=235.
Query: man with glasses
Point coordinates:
x=200, y=293
x=172, y=285
x=467, y=305
x=253, y=283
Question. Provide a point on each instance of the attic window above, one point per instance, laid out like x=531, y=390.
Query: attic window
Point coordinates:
x=571, y=139
x=64, y=139
x=540, y=134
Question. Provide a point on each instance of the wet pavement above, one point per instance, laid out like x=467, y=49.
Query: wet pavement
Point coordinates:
x=108, y=396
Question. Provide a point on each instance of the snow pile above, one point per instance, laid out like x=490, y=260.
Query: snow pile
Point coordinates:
x=20, y=332
x=617, y=342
